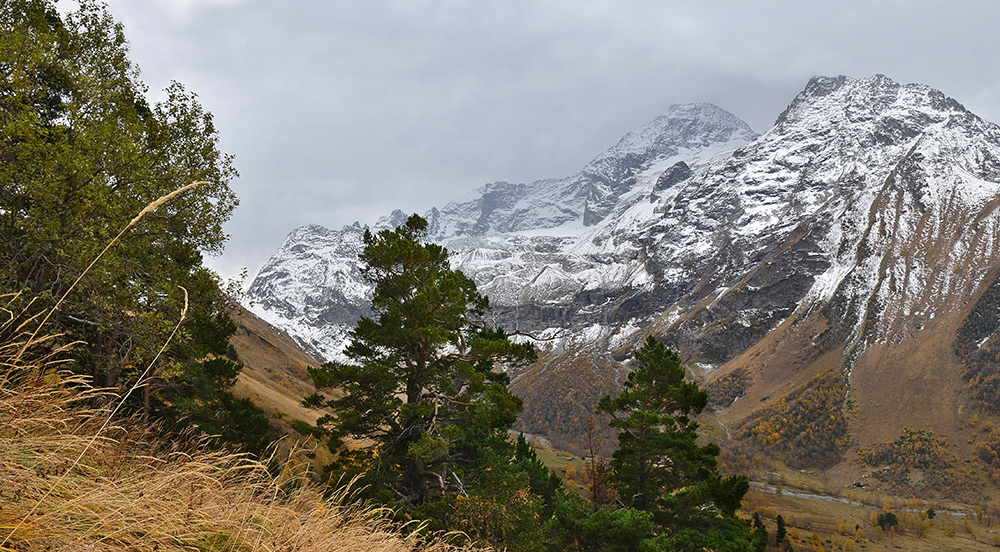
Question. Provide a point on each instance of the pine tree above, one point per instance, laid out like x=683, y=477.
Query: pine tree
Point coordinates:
x=661, y=469
x=759, y=527
x=420, y=390
x=779, y=532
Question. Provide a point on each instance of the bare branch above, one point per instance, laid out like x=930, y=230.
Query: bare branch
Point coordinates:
x=437, y=476
x=461, y=487
x=72, y=318
x=558, y=335
x=452, y=400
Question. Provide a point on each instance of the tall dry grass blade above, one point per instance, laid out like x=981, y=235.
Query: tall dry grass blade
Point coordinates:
x=31, y=340
x=139, y=381
x=6, y=308
x=14, y=321
x=149, y=367
x=146, y=210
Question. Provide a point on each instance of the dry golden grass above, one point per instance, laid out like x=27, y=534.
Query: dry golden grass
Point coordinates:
x=275, y=370
x=835, y=523
x=71, y=481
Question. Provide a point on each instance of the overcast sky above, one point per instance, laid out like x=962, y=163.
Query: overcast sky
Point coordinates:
x=340, y=111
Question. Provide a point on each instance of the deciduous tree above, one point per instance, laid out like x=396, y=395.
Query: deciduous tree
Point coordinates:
x=81, y=153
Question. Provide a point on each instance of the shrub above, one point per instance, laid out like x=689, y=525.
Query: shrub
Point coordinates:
x=807, y=427
x=725, y=390
x=917, y=463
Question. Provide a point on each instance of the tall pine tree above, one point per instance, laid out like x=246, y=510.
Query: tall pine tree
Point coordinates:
x=419, y=398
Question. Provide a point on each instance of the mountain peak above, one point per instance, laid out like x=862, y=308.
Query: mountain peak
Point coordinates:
x=391, y=221
x=305, y=231
x=684, y=132
x=835, y=98
x=691, y=131
x=682, y=125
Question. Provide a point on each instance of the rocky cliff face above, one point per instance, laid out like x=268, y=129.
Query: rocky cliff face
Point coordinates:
x=312, y=286
x=863, y=220
x=869, y=197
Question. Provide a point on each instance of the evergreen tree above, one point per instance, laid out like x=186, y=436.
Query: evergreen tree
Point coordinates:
x=659, y=467
x=579, y=526
x=779, y=532
x=759, y=527
x=420, y=390
x=887, y=520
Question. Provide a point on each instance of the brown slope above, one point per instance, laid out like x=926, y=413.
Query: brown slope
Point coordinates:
x=913, y=382
x=560, y=395
x=275, y=373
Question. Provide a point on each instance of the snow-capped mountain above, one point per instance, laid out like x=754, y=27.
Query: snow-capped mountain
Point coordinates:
x=851, y=200
x=526, y=245
x=684, y=132
x=861, y=234
x=312, y=286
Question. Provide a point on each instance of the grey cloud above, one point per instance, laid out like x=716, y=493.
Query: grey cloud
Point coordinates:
x=339, y=111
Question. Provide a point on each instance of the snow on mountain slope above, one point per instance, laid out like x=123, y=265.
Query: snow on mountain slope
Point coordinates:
x=797, y=216
x=865, y=215
x=677, y=211
x=522, y=243
x=312, y=288
x=680, y=134
x=685, y=130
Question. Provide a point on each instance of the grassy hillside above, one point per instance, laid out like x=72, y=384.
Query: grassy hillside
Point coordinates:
x=849, y=523
x=274, y=372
